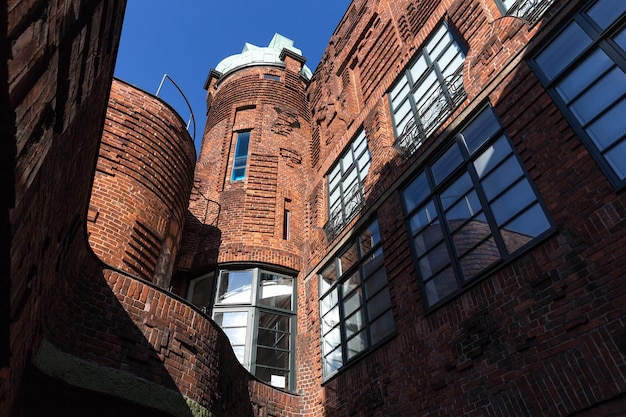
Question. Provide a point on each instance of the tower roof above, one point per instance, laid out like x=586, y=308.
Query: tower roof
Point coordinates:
x=256, y=55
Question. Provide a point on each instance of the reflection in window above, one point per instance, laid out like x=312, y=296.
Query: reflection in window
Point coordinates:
x=200, y=291
x=584, y=69
x=355, y=304
x=240, y=160
x=470, y=209
x=256, y=310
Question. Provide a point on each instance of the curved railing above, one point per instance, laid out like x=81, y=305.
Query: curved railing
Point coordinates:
x=192, y=118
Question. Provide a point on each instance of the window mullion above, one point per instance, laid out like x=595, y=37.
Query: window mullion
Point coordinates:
x=484, y=202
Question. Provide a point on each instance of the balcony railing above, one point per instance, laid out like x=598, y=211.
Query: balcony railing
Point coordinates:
x=436, y=108
x=339, y=217
x=529, y=10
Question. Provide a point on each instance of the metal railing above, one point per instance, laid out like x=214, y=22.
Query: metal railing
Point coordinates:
x=437, y=107
x=192, y=118
x=353, y=202
x=529, y=10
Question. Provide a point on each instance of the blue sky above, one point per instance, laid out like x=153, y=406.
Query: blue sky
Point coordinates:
x=186, y=38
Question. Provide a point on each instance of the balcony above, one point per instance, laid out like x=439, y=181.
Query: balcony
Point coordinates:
x=435, y=109
x=529, y=10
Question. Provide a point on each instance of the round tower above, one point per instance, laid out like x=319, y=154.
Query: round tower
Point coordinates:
x=245, y=232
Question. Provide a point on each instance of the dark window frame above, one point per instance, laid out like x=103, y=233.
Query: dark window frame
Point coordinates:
x=600, y=42
x=254, y=309
x=435, y=197
x=358, y=283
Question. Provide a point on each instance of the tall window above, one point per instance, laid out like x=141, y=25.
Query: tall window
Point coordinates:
x=472, y=208
x=428, y=91
x=529, y=10
x=583, y=68
x=240, y=160
x=256, y=310
x=355, y=305
x=345, y=184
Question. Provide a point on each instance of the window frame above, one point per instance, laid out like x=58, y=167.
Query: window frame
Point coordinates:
x=254, y=309
x=521, y=9
x=434, y=195
x=344, y=296
x=410, y=132
x=601, y=40
x=350, y=198
x=237, y=164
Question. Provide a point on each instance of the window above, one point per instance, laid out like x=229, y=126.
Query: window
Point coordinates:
x=256, y=310
x=240, y=160
x=428, y=91
x=355, y=305
x=472, y=208
x=200, y=291
x=528, y=10
x=583, y=68
x=345, y=185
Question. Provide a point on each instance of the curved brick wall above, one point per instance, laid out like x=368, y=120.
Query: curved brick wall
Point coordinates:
x=271, y=102
x=142, y=185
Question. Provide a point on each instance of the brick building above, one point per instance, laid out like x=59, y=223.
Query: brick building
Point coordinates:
x=430, y=224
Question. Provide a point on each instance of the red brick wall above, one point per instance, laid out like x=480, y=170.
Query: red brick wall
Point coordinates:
x=541, y=336
x=55, y=83
x=142, y=185
x=244, y=219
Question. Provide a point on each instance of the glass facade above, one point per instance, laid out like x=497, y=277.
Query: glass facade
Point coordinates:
x=472, y=208
x=584, y=69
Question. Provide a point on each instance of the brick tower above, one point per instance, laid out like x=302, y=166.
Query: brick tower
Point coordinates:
x=246, y=212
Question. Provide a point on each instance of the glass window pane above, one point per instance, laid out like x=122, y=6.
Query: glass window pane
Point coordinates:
x=370, y=237
x=465, y=208
x=423, y=217
x=278, y=340
x=357, y=344
x=418, y=69
x=235, y=287
x=584, y=74
x=479, y=258
x=620, y=39
x=373, y=262
x=604, y=12
x=276, y=291
x=456, y=190
x=524, y=228
x=354, y=323
x=608, y=89
x=428, y=238
x=275, y=377
x=231, y=319
x=352, y=283
x=243, y=141
x=331, y=340
x=616, y=157
x=480, y=130
x=492, y=156
x=511, y=202
x=563, y=50
x=504, y=176
x=610, y=127
x=330, y=320
x=399, y=92
x=434, y=260
x=375, y=282
x=447, y=163
x=438, y=42
x=353, y=302
x=239, y=353
x=425, y=89
x=441, y=286
x=239, y=174
x=327, y=277
x=327, y=304
x=272, y=357
x=236, y=335
x=472, y=233
x=382, y=327
x=200, y=291
x=378, y=304
x=416, y=192
x=348, y=258
x=332, y=362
